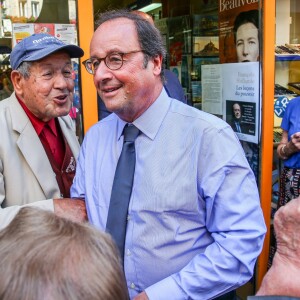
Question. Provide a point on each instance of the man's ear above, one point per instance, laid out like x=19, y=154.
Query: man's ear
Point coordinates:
x=157, y=64
x=17, y=81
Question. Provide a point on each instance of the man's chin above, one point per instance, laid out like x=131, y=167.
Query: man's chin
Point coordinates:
x=61, y=112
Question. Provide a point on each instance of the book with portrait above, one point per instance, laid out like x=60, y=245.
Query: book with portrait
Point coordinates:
x=228, y=11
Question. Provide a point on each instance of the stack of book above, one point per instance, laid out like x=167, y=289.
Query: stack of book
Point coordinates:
x=287, y=49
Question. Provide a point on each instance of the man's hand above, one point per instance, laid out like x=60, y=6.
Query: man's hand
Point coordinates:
x=72, y=209
x=141, y=296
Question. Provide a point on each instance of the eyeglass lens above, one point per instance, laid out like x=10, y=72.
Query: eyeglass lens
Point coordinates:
x=113, y=61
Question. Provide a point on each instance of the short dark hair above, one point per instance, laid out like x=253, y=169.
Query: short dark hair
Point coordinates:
x=43, y=256
x=244, y=17
x=149, y=36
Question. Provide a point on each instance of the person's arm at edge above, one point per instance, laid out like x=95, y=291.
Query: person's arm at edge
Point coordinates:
x=286, y=148
x=72, y=209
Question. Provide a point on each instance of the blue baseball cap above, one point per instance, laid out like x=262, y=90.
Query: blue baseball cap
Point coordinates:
x=38, y=46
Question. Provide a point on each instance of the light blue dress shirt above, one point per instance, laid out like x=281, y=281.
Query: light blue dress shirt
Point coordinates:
x=195, y=225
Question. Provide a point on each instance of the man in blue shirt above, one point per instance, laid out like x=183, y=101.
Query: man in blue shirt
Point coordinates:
x=194, y=223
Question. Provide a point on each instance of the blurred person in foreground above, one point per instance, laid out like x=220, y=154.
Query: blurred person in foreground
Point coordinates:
x=283, y=278
x=43, y=256
x=38, y=148
x=194, y=222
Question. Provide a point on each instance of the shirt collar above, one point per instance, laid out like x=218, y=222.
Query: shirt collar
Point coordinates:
x=36, y=122
x=150, y=121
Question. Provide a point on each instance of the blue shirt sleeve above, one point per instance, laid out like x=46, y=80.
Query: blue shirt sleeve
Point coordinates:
x=233, y=217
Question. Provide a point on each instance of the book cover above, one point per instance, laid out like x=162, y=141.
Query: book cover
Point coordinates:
x=206, y=46
x=21, y=31
x=232, y=15
x=44, y=28
x=206, y=25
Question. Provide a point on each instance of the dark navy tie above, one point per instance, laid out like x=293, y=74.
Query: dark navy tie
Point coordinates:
x=238, y=127
x=121, y=190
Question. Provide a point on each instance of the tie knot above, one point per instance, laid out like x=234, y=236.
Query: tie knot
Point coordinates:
x=130, y=133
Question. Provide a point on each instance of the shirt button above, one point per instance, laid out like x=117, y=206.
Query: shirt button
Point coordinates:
x=128, y=218
x=132, y=285
x=128, y=252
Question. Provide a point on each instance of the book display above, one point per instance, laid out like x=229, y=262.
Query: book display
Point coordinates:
x=287, y=49
x=192, y=41
x=205, y=50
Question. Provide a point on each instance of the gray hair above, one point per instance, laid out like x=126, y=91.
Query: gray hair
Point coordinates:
x=149, y=36
x=24, y=69
x=43, y=256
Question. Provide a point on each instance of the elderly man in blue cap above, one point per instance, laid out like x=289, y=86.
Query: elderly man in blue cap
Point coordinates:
x=39, y=148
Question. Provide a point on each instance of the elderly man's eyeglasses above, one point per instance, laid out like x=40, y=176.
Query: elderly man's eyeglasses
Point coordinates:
x=114, y=61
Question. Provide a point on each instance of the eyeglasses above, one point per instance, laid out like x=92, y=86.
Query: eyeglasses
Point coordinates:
x=114, y=61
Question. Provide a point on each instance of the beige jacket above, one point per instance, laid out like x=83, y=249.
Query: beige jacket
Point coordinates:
x=26, y=176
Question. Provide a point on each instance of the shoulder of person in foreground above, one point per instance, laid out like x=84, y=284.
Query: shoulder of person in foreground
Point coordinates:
x=72, y=209
x=83, y=263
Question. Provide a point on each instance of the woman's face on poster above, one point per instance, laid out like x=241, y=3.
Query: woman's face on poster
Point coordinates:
x=247, y=43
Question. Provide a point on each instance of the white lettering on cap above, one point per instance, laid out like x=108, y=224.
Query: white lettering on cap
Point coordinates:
x=44, y=38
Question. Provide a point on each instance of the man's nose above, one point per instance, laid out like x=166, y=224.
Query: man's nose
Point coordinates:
x=102, y=72
x=60, y=81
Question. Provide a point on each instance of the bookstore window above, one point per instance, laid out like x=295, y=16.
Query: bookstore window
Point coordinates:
x=215, y=51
